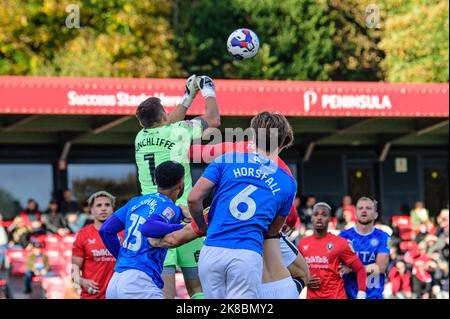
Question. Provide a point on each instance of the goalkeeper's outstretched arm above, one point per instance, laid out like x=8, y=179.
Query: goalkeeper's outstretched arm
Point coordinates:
x=212, y=116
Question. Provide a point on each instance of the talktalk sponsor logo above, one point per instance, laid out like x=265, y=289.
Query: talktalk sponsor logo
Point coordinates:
x=100, y=252
x=346, y=101
x=118, y=99
x=317, y=260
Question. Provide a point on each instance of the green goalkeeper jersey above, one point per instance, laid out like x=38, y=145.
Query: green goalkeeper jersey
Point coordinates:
x=165, y=143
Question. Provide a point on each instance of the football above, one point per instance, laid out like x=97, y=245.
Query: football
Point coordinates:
x=243, y=44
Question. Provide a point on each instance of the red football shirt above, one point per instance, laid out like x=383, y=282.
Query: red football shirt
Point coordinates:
x=98, y=262
x=323, y=256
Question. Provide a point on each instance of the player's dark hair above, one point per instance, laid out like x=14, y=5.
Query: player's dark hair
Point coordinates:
x=149, y=112
x=272, y=125
x=168, y=174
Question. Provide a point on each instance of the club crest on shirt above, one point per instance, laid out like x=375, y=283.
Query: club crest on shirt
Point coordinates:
x=330, y=246
x=168, y=213
x=374, y=241
x=91, y=241
x=305, y=247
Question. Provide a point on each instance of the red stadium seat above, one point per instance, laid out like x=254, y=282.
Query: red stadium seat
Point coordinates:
x=402, y=222
x=404, y=225
x=67, y=241
x=36, y=279
x=56, y=260
x=54, y=287
x=334, y=222
x=52, y=242
x=16, y=259
x=5, y=223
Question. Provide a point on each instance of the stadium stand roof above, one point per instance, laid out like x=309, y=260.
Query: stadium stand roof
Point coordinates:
x=65, y=110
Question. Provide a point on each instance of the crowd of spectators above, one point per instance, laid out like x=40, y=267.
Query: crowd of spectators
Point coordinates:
x=61, y=218
x=419, y=260
x=419, y=263
x=64, y=217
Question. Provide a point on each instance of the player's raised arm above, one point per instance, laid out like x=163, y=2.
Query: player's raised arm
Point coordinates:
x=190, y=92
x=207, y=87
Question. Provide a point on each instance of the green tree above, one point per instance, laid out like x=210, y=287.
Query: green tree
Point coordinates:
x=416, y=40
x=297, y=32
x=358, y=56
x=300, y=39
x=130, y=38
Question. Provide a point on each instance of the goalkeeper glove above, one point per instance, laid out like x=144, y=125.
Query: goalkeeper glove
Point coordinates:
x=206, y=85
x=190, y=92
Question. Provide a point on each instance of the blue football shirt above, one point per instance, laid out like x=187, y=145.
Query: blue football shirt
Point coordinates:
x=250, y=191
x=367, y=246
x=136, y=252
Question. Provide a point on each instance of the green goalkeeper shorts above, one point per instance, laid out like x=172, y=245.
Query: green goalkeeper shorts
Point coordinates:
x=186, y=255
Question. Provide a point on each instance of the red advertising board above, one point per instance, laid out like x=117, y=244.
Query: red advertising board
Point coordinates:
x=120, y=96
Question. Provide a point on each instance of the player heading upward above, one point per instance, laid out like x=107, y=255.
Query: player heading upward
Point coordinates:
x=252, y=197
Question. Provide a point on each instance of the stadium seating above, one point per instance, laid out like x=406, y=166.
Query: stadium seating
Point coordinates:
x=15, y=261
x=59, y=252
x=408, y=246
x=404, y=225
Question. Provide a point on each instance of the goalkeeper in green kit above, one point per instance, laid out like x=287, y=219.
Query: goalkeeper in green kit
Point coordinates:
x=167, y=137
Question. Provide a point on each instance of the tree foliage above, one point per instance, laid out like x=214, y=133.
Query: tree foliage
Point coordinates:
x=358, y=55
x=300, y=39
x=128, y=38
x=416, y=40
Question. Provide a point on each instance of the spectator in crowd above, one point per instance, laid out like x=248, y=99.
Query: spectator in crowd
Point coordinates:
x=32, y=216
x=439, y=271
x=68, y=204
x=422, y=232
x=20, y=233
x=346, y=206
x=419, y=215
x=442, y=220
x=400, y=279
x=422, y=278
x=348, y=219
x=37, y=265
x=86, y=216
x=54, y=221
x=307, y=211
x=3, y=241
x=73, y=222
x=394, y=257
